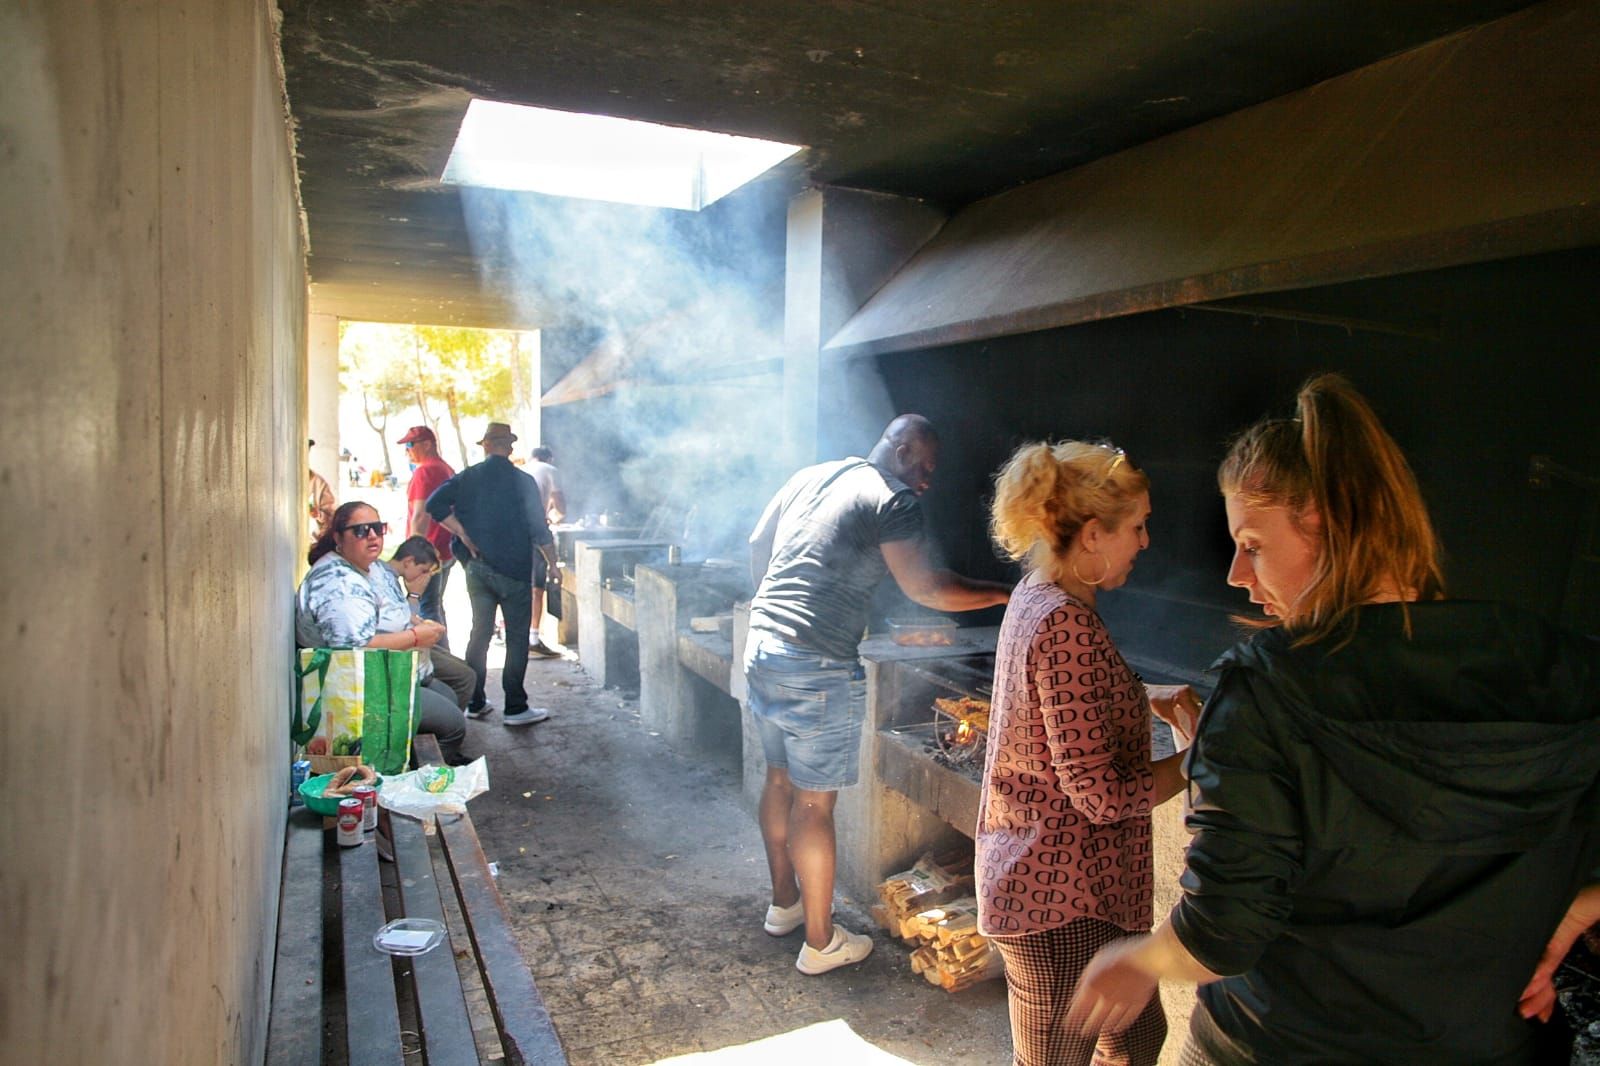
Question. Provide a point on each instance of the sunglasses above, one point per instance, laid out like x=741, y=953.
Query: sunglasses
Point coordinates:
x=367, y=529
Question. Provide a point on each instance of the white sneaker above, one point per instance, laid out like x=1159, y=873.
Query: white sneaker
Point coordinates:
x=781, y=921
x=844, y=949
x=527, y=717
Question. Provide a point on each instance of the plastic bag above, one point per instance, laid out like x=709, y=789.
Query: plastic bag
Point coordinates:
x=430, y=790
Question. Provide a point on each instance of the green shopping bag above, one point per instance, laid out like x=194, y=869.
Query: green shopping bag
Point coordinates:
x=355, y=705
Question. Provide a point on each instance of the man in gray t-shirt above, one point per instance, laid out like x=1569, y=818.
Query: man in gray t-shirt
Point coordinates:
x=826, y=560
x=818, y=552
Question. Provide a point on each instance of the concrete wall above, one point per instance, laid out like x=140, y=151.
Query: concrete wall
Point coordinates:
x=152, y=294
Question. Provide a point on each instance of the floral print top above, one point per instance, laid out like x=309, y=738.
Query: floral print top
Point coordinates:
x=340, y=607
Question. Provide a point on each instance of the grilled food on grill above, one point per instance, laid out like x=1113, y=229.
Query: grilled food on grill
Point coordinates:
x=924, y=638
x=974, y=712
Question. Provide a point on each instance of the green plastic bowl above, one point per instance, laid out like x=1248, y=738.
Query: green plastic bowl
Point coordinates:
x=311, y=792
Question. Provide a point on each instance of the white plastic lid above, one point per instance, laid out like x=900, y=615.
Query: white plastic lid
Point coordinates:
x=409, y=936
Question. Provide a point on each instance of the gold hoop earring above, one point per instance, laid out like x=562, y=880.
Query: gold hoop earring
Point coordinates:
x=1105, y=570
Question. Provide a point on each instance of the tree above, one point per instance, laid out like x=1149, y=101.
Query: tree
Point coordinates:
x=396, y=367
x=474, y=372
x=368, y=365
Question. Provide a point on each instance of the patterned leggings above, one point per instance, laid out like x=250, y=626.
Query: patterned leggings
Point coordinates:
x=1041, y=971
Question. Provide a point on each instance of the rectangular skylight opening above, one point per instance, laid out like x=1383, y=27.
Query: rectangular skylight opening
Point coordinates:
x=594, y=157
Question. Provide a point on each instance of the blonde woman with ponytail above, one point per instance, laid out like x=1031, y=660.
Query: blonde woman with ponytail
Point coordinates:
x=1394, y=796
x=1063, y=840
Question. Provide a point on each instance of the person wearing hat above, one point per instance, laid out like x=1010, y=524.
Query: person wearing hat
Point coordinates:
x=497, y=515
x=429, y=472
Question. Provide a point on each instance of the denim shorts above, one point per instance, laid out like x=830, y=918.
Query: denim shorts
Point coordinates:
x=809, y=711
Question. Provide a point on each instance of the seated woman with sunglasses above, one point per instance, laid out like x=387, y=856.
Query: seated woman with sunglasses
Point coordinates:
x=348, y=600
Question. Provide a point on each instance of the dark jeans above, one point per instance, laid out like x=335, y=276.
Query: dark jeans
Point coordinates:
x=489, y=590
x=438, y=714
x=431, y=603
x=454, y=672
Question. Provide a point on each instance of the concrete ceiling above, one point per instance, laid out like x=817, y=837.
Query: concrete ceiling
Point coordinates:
x=942, y=100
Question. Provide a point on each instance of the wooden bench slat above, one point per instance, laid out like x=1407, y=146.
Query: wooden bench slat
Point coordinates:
x=441, y=1003
x=526, y=1032
x=294, y=1028
x=372, y=1014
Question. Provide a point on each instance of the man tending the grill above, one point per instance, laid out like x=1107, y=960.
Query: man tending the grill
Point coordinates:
x=818, y=552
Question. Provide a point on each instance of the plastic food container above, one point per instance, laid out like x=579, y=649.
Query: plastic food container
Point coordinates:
x=311, y=792
x=409, y=936
x=923, y=632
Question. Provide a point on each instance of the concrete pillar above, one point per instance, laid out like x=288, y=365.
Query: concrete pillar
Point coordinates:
x=842, y=246
x=662, y=699
x=685, y=690
x=607, y=648
x=525, y=377
x=880, y=829
x=802, y=327
x=592, y=624
x=322, y=396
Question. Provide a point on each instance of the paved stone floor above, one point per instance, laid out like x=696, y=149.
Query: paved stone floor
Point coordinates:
x=637, y=884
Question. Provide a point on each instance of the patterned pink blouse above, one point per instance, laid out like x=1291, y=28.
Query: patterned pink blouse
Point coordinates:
x=1064, y=819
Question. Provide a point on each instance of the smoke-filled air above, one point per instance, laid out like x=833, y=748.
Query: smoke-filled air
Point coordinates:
x=662, y=345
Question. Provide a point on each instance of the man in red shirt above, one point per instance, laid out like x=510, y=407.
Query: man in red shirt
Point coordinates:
x=428, y=473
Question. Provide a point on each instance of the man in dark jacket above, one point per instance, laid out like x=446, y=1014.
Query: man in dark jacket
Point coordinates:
x=498, y=519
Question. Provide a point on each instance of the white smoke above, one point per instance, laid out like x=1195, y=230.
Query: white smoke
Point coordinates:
x=691, y=306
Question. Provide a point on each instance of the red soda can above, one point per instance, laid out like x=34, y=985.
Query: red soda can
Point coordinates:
x=369, y=806
x=349, y=831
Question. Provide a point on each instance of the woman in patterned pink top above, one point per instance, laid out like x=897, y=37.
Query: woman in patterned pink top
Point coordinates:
x=1064, y=861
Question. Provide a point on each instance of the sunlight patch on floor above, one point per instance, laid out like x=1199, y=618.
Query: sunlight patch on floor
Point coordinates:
x=832, y=1041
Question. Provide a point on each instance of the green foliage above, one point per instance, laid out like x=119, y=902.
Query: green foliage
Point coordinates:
x=370, y=364
x=472, y=369
x=467, y=372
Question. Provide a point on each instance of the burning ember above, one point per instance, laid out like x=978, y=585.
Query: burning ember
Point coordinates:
x=961, y=727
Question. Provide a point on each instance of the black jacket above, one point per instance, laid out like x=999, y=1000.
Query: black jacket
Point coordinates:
x=500, y=507
x=1386, y=834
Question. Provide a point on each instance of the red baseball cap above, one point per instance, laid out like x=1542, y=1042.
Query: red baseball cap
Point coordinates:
x=416, y=433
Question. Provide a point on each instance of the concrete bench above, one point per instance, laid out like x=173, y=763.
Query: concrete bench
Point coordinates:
x=333, y=902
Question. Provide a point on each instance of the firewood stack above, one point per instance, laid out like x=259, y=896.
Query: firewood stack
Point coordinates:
x=931, y=907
